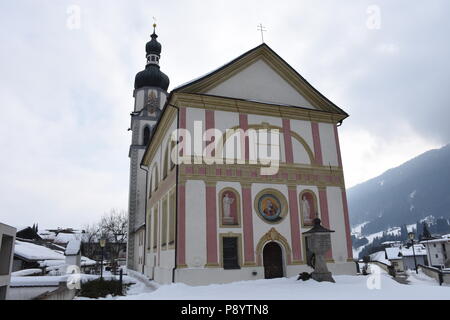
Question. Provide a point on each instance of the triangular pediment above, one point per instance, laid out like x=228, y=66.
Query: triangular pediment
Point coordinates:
x=261, y=75
x=259, y=82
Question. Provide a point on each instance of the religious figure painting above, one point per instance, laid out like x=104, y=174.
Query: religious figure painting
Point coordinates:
x=229, y=208
x=152, y=102
x=307, y=206
x=269, y=207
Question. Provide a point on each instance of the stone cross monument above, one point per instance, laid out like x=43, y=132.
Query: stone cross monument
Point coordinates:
x=319, y=242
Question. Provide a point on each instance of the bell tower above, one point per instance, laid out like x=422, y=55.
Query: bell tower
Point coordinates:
x=150, y=94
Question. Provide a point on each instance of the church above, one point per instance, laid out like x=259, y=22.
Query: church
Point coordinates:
x=207, y=202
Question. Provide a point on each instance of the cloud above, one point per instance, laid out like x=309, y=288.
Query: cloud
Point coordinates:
x=66, y=94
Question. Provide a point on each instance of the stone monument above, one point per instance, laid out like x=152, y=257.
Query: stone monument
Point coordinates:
x=319, y=242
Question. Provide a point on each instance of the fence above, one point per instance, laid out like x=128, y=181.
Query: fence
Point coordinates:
x=437, y=274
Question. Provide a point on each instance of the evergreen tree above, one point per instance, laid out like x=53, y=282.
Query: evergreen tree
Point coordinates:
x=425, y=233
x=404, y=232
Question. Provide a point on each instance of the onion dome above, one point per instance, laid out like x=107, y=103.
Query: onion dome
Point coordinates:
x=153, y=46
x=152, y=76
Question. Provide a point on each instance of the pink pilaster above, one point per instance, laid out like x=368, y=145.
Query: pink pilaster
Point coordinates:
x=249, y=255
x=317, y=144
x=323, y=199
x=347, y=225
x=182, y=125
x=295, y=225
x=211, y=226
x=288, y=141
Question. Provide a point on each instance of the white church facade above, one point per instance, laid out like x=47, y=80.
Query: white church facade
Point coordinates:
x=207, y=212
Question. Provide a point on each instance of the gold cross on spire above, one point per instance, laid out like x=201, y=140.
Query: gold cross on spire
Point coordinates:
x=262, y=29
x=154, y=24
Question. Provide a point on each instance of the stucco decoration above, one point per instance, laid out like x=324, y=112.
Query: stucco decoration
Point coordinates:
x=272, y=235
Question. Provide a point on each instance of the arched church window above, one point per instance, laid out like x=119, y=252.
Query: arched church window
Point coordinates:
x=146, y=136
x=308, y=207
x=229, y=204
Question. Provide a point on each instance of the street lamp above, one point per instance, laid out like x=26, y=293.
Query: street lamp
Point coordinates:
x=411, y=236
x=102, y=245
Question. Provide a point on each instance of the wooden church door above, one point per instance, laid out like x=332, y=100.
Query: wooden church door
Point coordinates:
x=273, y=261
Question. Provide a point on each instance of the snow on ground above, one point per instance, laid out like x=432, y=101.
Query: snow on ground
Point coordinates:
x=357, y=251
x=345, y=288
x=422, y=279
x=21, y=281
x=356, y=230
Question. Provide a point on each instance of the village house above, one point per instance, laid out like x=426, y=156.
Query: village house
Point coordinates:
x=402, y=257
x=438, y=251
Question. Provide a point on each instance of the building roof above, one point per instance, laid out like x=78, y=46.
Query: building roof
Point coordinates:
x=34, y=252
x=64, y=238
x=444, y=238
x=202, y=84
x=380, y=256
x=395, y=253
x=44, y=256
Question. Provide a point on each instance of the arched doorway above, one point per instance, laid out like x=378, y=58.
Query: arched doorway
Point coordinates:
x=273, y=261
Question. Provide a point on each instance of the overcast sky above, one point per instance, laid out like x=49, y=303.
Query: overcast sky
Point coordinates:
x=66, y=89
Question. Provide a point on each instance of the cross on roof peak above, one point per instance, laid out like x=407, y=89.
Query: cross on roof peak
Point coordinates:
x=262, y=29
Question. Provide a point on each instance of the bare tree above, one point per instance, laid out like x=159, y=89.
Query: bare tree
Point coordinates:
x=113, y=227
x=89, y=239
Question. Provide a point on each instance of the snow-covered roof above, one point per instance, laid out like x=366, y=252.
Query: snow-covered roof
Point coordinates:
x=37, y=281
x=26, y=272
x=46, y=257
x=444, y=238
x=399, y=252
x=47, y=235
x=380, y=256
x=31, y=251
x=73, y=247
x=419, y=250
x=66, y=237
x=393, y=253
